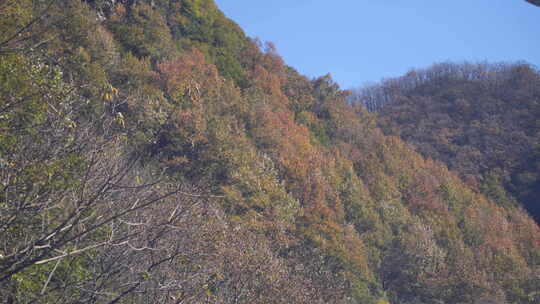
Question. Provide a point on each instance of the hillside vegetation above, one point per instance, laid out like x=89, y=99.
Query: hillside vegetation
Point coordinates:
x=482, y=120
x=150, y=152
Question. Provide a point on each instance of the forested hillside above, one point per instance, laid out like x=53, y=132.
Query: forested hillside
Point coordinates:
x=150, y=152
x=482, y=120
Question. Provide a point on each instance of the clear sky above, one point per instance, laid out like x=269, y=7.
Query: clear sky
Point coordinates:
x=363, y=41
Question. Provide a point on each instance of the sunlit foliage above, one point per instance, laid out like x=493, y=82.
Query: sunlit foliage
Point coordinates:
x=151, y=153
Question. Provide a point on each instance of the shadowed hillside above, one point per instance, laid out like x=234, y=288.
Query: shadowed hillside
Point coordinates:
x=482, y=120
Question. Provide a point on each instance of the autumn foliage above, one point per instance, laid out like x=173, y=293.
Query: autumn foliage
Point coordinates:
x=191, y=165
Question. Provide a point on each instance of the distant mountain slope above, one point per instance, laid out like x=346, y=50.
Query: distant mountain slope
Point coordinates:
x=482, y=120
x=151, y=153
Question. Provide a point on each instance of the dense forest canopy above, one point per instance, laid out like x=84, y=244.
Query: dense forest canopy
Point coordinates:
x=482, y=120
x=150, y=152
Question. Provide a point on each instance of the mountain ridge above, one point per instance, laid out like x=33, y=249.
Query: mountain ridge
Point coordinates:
x=190, y=164
x=479, y=119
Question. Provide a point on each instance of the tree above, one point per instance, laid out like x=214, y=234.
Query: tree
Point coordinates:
x=69, y=188
x=534, y=2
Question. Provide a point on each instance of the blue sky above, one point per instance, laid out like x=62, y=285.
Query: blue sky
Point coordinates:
x=363, y=41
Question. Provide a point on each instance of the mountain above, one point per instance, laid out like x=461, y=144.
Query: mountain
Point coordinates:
x=481, y=120
x=150, y=152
